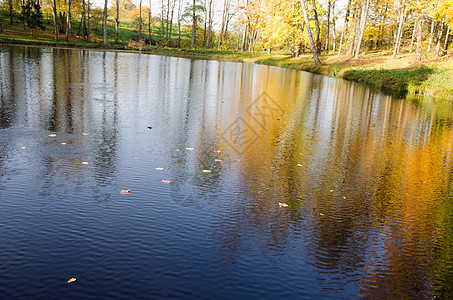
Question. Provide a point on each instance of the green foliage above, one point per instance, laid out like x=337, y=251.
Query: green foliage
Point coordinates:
x=31, y=15
x=392, y=81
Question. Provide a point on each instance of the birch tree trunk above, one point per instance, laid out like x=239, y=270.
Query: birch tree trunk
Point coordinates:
x=446, y=39
x=418, y=55
x=194, y=25
x=345, y=26
x=439, y=38
x=431, y=36
x=55, y=22
x=105, y=21
x=413, y=36
x=318, y=30
x=310, y=36
x=68, y=22
x=328, y=27
x=400, y=29
x=363, y=18
x=117, y=20
x=140, y=22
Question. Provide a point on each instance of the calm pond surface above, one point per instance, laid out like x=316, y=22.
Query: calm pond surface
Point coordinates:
x=254, y=182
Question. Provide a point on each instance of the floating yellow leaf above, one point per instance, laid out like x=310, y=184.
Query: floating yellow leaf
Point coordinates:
x=84, y=133
x=84, y=163
x=300, y=165
x=206, y=171
x=125, y=192
x=218, y=160
x=331, y=191
x=282, y=204
x=72, y=280
x=159, y=169
x=22, y=148
x=321, y=214
x=217, y=151
x=52, y=135
x=189, y=148
x=177, y=149
x=344, y=197
x=166, y=181
x=63, y=143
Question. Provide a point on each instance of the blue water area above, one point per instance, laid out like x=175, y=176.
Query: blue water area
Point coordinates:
x=245, y=181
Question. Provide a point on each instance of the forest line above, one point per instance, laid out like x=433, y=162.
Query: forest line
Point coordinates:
x=419, y=32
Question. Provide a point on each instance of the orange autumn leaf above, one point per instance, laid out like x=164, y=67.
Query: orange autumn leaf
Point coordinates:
x=217, y=151
x=282, y=204
x=166, y=181
x=72, y=280
x=125, y=192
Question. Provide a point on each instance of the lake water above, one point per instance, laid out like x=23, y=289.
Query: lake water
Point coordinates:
x=253, y=182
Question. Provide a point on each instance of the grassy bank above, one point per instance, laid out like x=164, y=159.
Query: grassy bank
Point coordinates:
x=401, y=76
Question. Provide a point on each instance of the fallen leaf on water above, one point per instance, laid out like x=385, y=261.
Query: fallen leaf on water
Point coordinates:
x=84, y=163
x=282, y=204
x=344, y=197
x=166, y=181
x=217, y=151
x=218, y=160
x=150, y=127
x=22, y=148
x=281, y=138
x=159, y=169
x=189, y=148
x=206, y=171
x=177, y=149
x=321, y=214
x=331, y=191
x=72, y=280
x=300, y=165
x=125, y=192
x=84, y=133
x=63, y=143
x=52, y=135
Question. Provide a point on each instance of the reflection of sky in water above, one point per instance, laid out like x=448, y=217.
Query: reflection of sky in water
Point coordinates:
x=366, y=180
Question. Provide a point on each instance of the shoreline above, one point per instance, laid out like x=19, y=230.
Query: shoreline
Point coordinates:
x=415, y=81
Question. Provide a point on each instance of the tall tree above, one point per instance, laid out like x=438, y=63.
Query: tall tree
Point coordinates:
x=345, y=26
x=317, y=27
x=117, y=20
x=140, y=22
x=363, y=18
x=105, y=21
x=149, y=21
x=329, y=5
x=68, y=22
x=400, y=29
x=10, y=2
x=310, y=36
x=55, y=21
